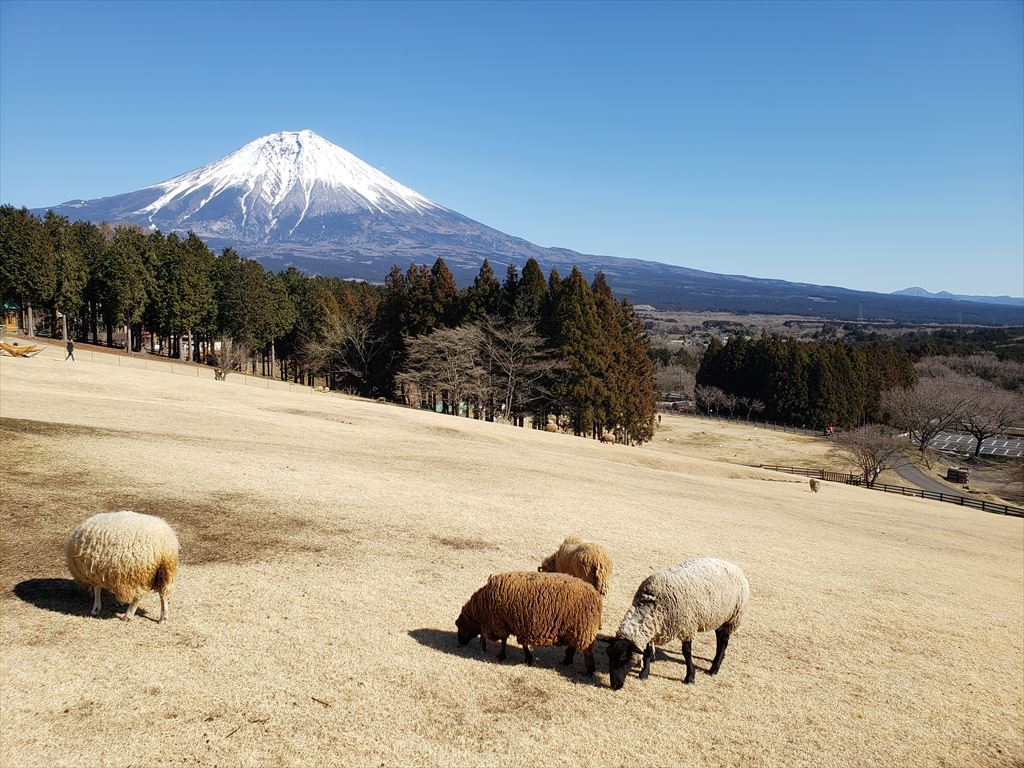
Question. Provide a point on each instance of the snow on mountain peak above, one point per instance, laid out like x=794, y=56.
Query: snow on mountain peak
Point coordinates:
x=286, y=175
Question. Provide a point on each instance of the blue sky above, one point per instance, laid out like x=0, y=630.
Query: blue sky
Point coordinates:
x=870, y=145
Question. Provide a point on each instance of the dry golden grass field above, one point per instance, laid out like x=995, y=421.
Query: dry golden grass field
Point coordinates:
x=328, y=544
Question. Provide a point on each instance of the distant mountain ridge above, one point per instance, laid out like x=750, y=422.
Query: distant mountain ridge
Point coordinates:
x=922, y=293
x=294, y=198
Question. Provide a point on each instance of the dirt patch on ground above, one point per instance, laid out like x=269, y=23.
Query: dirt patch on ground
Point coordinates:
x=463, y=543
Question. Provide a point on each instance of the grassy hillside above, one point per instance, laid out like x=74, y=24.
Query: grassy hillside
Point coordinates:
x=329, y=543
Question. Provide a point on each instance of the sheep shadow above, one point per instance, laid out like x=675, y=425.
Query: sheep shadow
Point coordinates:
x=447, y=641
x=60, y=595
x=65, y=596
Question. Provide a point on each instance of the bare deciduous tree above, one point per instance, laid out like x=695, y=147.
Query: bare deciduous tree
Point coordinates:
x=518, y=365
x=750, y=405
x=871, y=448
x=987, y=411
x=447, y=362
x=675, y=379
x=925, y=410
x=708, y=397
x=351, y=348
x=233, y=356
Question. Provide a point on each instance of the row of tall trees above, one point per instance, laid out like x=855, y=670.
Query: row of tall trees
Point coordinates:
x=524, y=346
x=815, y=384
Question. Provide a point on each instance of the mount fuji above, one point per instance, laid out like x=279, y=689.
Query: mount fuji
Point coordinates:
x=294, y=198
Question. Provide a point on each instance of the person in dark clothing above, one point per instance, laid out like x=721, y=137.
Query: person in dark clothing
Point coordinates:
x=71, y=350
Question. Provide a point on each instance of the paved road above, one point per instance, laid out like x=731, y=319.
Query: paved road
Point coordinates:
x=914, y=476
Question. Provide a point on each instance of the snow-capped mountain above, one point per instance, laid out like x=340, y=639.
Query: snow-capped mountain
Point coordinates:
x=285, y=185
x=294, y=198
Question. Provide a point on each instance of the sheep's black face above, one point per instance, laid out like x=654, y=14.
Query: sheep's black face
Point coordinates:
x=620, y=661
x=468, y=629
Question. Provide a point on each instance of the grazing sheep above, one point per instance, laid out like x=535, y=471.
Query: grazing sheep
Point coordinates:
x=815, y=485
x=584, y=561
x=608, y=437
x=128, y=554
x=697, y=595
x=550, y=427
x=539, y=609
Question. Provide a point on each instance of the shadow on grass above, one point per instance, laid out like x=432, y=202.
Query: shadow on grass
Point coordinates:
x=65, y=596
x=447, y=641
x=60, y=595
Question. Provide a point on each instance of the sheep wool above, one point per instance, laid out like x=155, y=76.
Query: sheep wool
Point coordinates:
x=127, y=553
x=700, y=594
x=584, y=561
x=542, y=609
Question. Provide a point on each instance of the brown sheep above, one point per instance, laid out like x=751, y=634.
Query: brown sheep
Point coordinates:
x=608, y=437
x=543, y=609
x=583, y=560
x=815, y=485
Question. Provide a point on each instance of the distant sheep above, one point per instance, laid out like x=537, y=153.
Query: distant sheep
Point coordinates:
x=551, y=428
x=815, y=485
x=583, y=560
x=128, y=554
x=697, y=595
x=542, y=609
x=608, y=437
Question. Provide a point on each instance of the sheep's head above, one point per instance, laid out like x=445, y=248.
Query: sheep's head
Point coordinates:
x=620, y=660
x=547, y=565
x=468, y=629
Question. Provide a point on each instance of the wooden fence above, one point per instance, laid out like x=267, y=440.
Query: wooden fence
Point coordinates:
x=949, y=498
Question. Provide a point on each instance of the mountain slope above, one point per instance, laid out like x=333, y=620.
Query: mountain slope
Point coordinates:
x=294, y=198
x=922, y=293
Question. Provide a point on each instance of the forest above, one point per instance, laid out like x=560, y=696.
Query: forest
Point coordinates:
x=528, y=346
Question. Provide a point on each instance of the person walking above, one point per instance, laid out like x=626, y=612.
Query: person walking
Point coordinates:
x=70, y=346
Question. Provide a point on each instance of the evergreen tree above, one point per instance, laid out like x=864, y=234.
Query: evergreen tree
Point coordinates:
x=125, y=279
x=533, y=291
x=509, y=289
x=483, y=297
x=71, y=269
x=576, y=328
x=28, y=268
x=444, y=296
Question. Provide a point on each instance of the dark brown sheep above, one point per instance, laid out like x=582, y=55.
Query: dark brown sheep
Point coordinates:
x=543, y=609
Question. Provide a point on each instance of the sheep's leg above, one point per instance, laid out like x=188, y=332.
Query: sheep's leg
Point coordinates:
x=645, y=670
x=529, y=656
x=163, y=607
x=483, y=643
x=588, y=657
x=688, y=655
x=501, y=655
x=570, y=654
x=131, y=609
x=96, y=601
x=722, y=636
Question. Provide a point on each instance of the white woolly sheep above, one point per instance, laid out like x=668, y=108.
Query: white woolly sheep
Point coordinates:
x=128, y=554
x=608, y=437
x=583, y=560
x=697, y=595
x=539, y=609
x=815, y=485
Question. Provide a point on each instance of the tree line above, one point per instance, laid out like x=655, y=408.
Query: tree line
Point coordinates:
x=814, y=384
x=527, y=346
